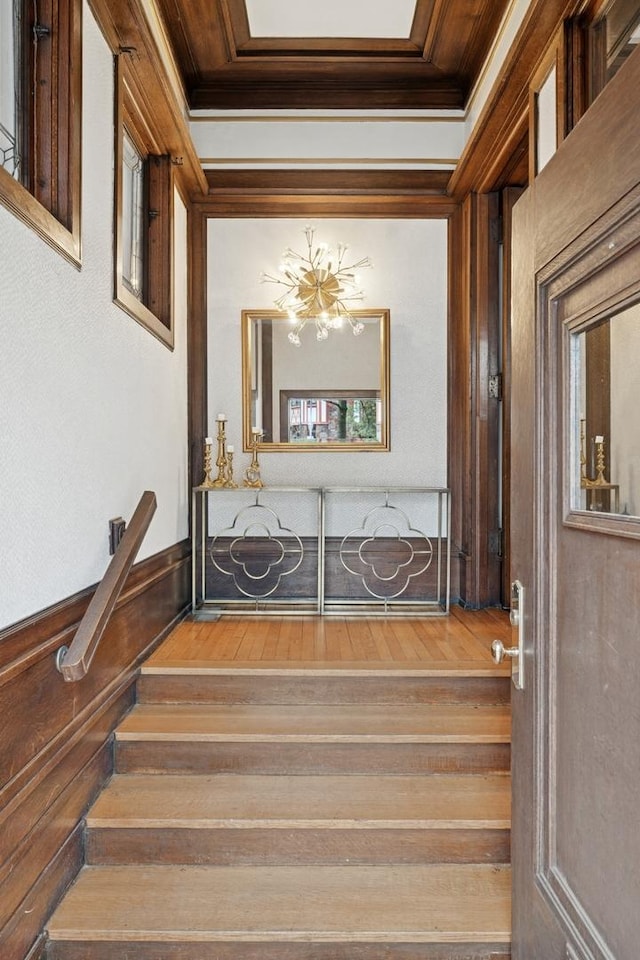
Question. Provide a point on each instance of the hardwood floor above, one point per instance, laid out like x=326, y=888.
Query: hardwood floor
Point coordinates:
x=459, y=643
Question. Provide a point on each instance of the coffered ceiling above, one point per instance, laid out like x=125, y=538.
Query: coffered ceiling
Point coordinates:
x=334, y=54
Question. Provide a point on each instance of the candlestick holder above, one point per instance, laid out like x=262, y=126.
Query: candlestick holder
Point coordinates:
x=229, y=481
x=207, y=482
x=600, y=463
x=252, y=476
x=221, y=459
x=583, y=452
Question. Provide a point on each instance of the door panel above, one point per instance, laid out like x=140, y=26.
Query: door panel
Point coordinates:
x=576, y=735
x=533, y=925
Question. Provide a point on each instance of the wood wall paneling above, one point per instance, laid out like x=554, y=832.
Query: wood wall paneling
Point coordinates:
x=458, y=401
x=474, y=350
x=56, y=750
x=508, y=200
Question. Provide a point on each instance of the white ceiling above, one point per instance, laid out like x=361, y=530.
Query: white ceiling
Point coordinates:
x=331, y=18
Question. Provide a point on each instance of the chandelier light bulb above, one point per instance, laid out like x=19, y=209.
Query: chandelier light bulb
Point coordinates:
x=317, y=287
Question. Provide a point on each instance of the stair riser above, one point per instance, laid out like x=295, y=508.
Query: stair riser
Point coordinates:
x=65, y=950
x=310, y=758
x=318, y=690
x=270, y=847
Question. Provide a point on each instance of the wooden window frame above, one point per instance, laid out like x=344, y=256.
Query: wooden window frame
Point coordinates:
x=624, y=17
x=48, y=198
x=555, y=58
x=155, y=310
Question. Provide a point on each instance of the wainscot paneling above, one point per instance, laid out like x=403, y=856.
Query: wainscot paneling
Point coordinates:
x=56, y=747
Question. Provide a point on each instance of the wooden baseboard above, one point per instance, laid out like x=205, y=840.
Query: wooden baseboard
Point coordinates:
x=57, y=743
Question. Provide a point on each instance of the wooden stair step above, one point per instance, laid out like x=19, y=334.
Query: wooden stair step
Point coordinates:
x=283, y=819
x=295, y=682
x=424, y=723
x=355, y=911
x=299, y=739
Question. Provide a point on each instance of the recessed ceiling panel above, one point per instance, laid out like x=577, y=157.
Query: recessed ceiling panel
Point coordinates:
x=331, y=18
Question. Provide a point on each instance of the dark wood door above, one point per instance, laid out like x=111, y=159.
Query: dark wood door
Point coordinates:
x=576, y=723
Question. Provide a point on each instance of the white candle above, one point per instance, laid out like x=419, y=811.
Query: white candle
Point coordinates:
x=208, y=440
x=599, y=439
x=256, y=430
x=221, y=416
x=230, y=449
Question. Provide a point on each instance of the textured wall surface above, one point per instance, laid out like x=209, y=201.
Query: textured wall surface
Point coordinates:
x=409, y=277
x=93, y=409
x=624, y=452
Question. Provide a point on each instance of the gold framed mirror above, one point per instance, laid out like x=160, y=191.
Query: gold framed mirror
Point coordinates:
x=329, y=394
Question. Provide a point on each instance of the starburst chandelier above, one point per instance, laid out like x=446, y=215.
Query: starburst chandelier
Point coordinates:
x=319, y=288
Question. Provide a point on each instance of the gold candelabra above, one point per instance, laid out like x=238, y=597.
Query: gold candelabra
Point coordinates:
x=252, y=476
x=229, y=481
x=221, y=459
x=207, y=481
x=600, y=462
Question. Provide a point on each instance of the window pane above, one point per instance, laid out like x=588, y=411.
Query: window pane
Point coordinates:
x=10, y=29
x=132, y=218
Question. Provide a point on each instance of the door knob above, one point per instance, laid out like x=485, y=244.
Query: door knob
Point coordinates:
x=499, y=651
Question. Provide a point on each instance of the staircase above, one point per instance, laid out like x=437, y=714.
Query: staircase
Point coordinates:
x=315, y=814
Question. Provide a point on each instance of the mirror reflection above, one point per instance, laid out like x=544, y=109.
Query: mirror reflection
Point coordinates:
x=325, y=394
x=605, y=378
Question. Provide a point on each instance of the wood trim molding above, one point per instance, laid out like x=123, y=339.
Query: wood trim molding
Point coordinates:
x=505, y=115
x=49, y=777
x=319, y=182
x=275, y=202
x=366, y=206
x=223, y=64
x=125, y=27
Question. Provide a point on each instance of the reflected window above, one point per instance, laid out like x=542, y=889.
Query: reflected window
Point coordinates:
x=339, y=415
x=605, y=382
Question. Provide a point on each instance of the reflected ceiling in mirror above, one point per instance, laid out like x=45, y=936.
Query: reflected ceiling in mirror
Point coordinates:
x=323, y=395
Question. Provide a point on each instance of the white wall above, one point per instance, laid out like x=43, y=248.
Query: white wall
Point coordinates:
x=625, y=400
x=93, y=409
x=409, y=277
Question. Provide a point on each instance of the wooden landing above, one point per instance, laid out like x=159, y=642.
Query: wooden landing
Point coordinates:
x=453, y=645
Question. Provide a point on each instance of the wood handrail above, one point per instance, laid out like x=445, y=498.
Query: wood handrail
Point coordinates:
x=73, y=662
